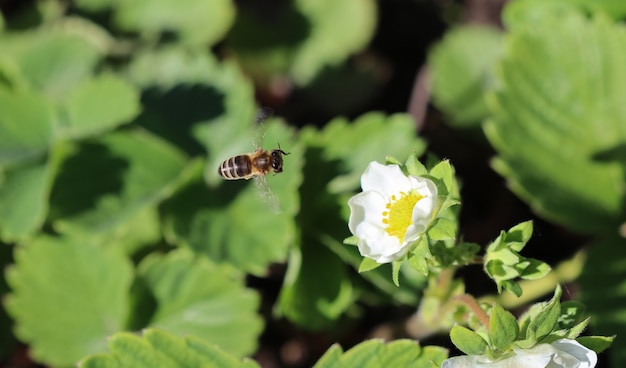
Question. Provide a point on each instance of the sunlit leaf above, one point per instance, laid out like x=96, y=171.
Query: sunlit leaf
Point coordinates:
x=302, y=37
x=67, y=298
x=461, y=71
x=26, y=126
x=195, y=102
x=24, y=193
x=314, y=299
x=191, y=21
x=467, y=340
x=157, y=348
x=51, y=61
x=100, y=104
x=127, y=171
x=558, y=119
x=520, y=12
x=351, y=146
x=375, y=353
x=196, y=297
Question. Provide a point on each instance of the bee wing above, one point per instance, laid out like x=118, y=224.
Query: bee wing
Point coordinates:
x=259, y=133
x=265, y=194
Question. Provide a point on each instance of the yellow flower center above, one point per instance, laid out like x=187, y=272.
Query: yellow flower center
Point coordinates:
x=399, y=214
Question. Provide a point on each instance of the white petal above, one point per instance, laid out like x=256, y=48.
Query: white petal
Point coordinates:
x=423, y=211
x=465, y=361
x=572, y=352
x=383, y=250
x=385, y=179
x=366, y=215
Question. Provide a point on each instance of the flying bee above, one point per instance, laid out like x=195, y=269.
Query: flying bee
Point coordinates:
x=250, y=165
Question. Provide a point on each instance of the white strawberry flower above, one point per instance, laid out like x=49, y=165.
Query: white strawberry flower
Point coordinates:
x=563, y=353
x=392, y=213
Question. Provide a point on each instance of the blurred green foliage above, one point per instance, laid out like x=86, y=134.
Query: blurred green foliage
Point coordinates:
x=554, y=113
x=115, y=115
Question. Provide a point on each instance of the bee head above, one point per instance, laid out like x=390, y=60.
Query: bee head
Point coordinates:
x=277, y=159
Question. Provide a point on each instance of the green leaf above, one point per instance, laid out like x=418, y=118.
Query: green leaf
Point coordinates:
x=197, y=103
x=503, y=328
x=238, y=222
x=558, y=119
x=535, y=270
x=370, y=137
x=368, y=264
x=304, y=37
x=418, y=257
x=445, y=173
x=395, y=272
x=67, y=298
x=310, y=298
x=27, y=126
x=442, y=229
x=100, y=104
x=546, y=320
x=602, y=283
x=467, y=341
x=192, y=21
x=194, y=296
x=414, y=166
x=129, y=171
x=596, y=343
x=375, y=353
x=520, y=13
x=517, y=236
x=460, y=76
x=23, y=195
x=157, y=348
x=51, y=61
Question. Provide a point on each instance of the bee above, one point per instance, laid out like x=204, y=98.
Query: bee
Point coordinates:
x=250, y=165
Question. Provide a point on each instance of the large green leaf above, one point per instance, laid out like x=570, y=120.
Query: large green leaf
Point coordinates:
x=603, y=285
x=27, y=124
x=196, y=102
x=559, y=122
x=350, y=146
x=302, y=37
x=375, y=353
x=156, y=348
x=519, y=12
x=67, y=298
x=313, y=298
x=107, y=182
x=192, y=21
x=24, y=197
x=50, y=61
x=99, y=104
x=196, y=297
x=238, y=222
x=461, y=69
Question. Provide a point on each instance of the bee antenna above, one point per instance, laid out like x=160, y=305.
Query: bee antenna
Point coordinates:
x=281, y=151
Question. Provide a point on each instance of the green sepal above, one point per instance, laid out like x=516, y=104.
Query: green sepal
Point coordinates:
x=415, y=167
x=395, y=272
x=419, y=255
x=352, y=240
x=442, y=229
x=544, y=322
x=596, y=343
x=467, y=341
x=368, y=264
x=503, y=328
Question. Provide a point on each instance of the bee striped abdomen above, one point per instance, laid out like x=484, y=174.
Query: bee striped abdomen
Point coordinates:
x=235, y=168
